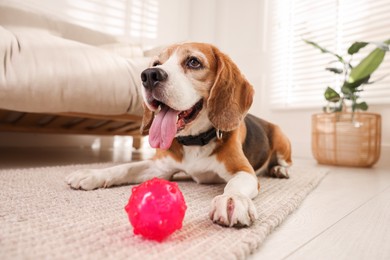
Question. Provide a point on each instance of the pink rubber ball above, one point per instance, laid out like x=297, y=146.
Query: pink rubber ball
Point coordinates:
x=156, y=209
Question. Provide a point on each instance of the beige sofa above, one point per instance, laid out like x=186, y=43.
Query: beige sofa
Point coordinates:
x=59, y=77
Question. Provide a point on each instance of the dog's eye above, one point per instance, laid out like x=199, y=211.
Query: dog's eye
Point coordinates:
x=194, y=63
x=156, y=63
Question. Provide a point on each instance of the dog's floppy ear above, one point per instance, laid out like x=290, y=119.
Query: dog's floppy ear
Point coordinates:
x=230, y=96
x=147, y=120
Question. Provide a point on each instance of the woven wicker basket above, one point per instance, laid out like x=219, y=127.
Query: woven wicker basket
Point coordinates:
x=346, y=139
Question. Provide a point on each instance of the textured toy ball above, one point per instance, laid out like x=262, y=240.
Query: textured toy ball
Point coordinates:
x=156, y=209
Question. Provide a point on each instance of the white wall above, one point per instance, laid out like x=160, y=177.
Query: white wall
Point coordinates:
x=241, y=29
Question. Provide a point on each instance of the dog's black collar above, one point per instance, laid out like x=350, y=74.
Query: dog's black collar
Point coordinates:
x=200, y=140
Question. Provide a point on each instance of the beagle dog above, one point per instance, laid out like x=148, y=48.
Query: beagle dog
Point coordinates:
x=195, y=113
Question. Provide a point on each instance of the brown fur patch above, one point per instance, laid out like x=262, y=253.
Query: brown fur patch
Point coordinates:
x=281, y=144
x=175, y=151
x=230, y=152
x=147, y=120
x=231, y=95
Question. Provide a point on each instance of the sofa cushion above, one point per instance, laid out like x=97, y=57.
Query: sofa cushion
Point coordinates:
x=41, y=72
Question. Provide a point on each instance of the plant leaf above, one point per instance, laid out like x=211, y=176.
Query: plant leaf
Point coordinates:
x=354, y=85
x=362, y=106
x=331, y=95
x=347, y=90
x=367, y=66
x=323, y=50
x=335, y=70
x=356, y=46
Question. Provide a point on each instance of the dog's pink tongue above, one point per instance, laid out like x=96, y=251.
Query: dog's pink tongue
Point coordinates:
x=163, y=129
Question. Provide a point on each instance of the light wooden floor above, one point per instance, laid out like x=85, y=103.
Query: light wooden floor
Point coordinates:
x=346, y=217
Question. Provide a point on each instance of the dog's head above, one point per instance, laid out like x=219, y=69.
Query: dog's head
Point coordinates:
x=190, y=88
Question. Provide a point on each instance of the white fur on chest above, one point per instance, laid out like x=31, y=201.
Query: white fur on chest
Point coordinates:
x=202, y=166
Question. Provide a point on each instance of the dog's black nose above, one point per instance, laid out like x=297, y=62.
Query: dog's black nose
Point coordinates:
x=150, y=77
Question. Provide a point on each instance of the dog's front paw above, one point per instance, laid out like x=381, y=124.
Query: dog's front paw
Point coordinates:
x=86, y=179
x=233, y=210
x=279, y=171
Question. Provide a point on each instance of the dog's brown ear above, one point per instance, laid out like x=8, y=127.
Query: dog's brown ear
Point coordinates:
x=231, y=95
x=147, y=120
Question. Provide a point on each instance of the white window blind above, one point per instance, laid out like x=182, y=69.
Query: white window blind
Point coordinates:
x=144, y=19
x=298, y=77
x=137, y=19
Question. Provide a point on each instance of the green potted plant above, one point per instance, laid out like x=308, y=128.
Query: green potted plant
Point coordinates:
x=345, y=134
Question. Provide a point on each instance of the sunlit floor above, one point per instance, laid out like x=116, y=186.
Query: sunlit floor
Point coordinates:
x=16, y=157
x=346, y=217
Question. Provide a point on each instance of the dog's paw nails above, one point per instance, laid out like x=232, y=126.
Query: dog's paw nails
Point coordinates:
x=279, y=172
x=85, y=180
x=233, y=210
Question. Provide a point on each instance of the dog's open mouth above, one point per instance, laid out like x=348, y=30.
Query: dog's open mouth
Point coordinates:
x=168, y=122
x=189, y=115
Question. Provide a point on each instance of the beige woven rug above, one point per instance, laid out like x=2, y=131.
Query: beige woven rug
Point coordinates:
x=42, y=218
